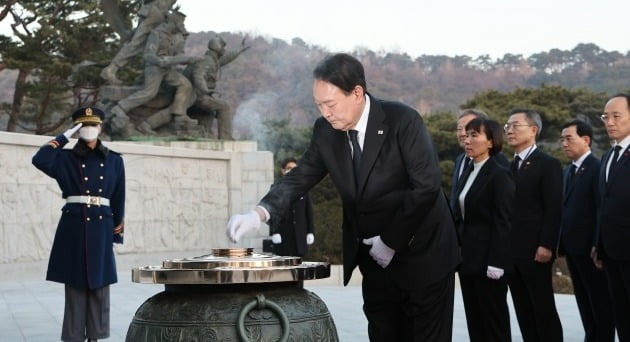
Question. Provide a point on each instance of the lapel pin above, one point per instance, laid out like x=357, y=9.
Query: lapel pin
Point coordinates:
x=380, y=132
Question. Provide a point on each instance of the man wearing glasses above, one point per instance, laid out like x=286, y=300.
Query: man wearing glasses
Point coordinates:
x=535, y=227
x=613, y=231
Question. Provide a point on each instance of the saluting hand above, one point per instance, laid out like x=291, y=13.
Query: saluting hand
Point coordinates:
x=72, y=130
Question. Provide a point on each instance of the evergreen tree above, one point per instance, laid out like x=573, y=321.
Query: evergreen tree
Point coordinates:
x=58, y=48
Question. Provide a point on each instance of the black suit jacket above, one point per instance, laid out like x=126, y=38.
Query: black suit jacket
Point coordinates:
x=293, y=227
x=614, y=214
x=398, y=196
x=484, y=231
x=499, y=159
x=579, y=209
x=537, y=206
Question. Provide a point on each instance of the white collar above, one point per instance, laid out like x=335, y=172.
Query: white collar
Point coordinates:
x=361, y=125
x=580, y=160
x=624, y=143
x=526, y=152
x=480, y=164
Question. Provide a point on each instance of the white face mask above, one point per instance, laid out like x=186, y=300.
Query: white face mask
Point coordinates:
x=89, y=133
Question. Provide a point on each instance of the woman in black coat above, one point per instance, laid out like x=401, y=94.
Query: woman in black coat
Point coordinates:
x=292, y=235
x=484, y=200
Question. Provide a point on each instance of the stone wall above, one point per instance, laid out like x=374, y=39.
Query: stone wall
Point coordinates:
x=179, y=195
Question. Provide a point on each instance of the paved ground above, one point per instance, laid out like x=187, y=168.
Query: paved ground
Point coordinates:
x=32, y=309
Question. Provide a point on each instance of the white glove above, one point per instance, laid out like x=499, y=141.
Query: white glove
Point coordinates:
x=72, y=130
x=310, y=238
x=276, y=239
x=238, y=225
x=380, y=252
x=494, y=272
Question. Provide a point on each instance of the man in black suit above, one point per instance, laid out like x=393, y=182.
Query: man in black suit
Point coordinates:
x=613, y=231
x=292, y=234
x=396, y=222
x=577, y=232
x=535, y=228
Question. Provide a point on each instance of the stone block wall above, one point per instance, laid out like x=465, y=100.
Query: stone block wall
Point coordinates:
x=179, y=195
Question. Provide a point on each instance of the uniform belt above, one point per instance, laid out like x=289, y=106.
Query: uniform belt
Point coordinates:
x=91, y=200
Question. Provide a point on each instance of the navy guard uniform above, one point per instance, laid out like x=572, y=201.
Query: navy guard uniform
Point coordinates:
x=92, y=181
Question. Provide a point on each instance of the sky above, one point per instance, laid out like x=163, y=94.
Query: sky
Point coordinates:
x=419, y=27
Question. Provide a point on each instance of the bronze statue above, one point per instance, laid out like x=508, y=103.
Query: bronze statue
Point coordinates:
x=150, y=15
x=168, y=93
x=204, y=74
x=163, y=52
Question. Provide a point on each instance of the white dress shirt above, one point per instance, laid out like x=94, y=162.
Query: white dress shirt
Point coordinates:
x=361, y=126
x=624, y=145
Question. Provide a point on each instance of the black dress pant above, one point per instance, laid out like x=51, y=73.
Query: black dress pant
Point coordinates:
x=485, y=304
x=396, y=313
x=618, y=274
x=535, y=306
x=593, y=299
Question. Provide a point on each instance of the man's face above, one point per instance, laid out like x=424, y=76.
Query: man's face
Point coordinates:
x=340, y=110
x=461, y=129
x=617, y=118
x=573, y=145
x=520, y=132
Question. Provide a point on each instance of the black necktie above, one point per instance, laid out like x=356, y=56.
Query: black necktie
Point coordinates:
x=570, y=176
x=457, y=210
x=613, y=162
x=466, y=163
x=514, y=165
x=356, y=152
x=464, y=177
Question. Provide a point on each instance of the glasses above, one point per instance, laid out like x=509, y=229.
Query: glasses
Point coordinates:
x=615, y=117
x=513, y=125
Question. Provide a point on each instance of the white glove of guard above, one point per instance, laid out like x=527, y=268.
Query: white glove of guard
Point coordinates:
x=72, y=130
x=310, y=238
x=276, y=239
x=380, y=252
x=494, y=272
x=240, y=224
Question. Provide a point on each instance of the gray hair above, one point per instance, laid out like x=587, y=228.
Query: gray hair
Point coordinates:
x=532, y=117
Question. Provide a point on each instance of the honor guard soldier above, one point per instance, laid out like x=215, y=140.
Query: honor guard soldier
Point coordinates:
x=92, y=182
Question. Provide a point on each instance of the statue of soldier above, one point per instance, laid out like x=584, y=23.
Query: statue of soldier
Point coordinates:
x=163, y=52
x=204, y=75
x=151, y=15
